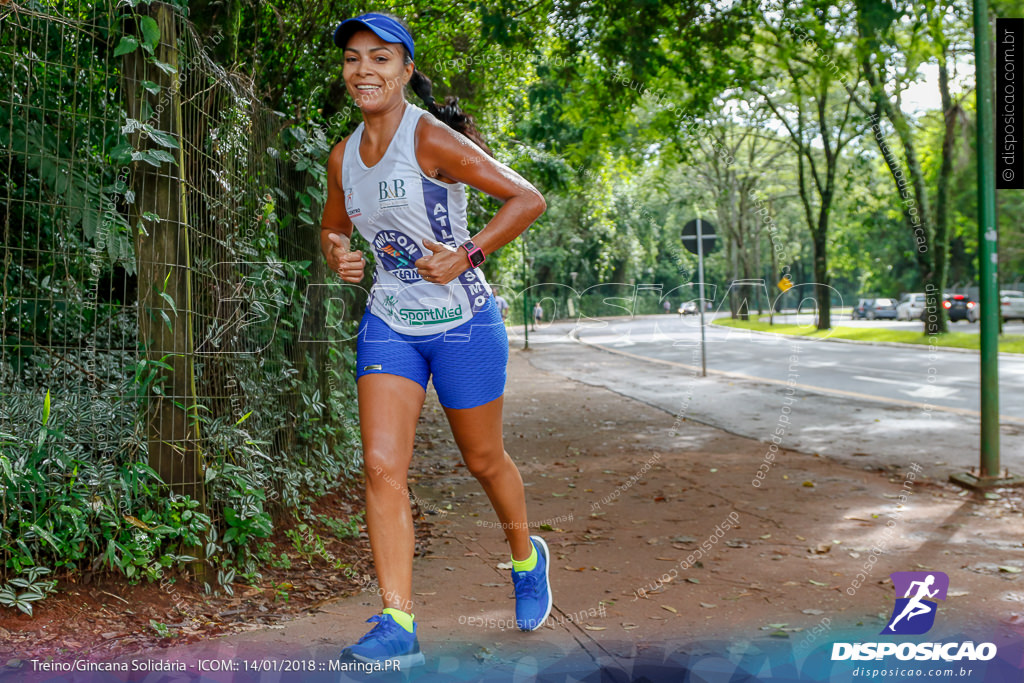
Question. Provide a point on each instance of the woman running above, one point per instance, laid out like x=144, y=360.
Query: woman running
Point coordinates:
x=400, y=180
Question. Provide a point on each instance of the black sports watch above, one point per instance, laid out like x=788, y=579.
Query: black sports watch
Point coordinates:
x=473, y=253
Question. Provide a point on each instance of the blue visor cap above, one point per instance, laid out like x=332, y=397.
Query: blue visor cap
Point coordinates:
x=386, y=28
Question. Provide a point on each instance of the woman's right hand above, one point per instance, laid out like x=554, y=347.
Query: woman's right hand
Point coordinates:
x=347, y=264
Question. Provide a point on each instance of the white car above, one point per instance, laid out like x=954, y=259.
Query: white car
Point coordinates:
x=910, y=307
x=1011, y=304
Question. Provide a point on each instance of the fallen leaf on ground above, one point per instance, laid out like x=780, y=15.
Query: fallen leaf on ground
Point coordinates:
x=673, y=610
x=594, y=628
x=1010, y=570
x=707, y=605
x=817, y=583
x=630, y=627
x=575, y=569
x=813, y=611
x=808, y=483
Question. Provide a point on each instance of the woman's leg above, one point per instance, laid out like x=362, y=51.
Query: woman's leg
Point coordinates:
x=478, y=435
x=389, y=408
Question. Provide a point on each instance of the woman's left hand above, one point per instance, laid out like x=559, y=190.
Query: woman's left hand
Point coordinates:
x=443, y=264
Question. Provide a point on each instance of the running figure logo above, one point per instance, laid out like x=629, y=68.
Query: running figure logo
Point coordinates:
x=914, y=613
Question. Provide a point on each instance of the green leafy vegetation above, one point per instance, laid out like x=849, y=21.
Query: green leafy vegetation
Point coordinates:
x=273, y=424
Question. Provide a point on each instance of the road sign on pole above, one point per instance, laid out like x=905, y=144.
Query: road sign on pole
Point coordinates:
x=708, y=242
x=699, y=238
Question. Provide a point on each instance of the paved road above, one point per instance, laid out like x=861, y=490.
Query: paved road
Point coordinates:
x=908, y=376
x=874, y=403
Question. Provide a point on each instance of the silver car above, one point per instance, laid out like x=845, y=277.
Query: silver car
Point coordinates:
x=910, y=307
x=1011, y=304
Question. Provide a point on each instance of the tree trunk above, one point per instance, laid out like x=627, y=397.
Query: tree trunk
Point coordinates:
x=822, y=291
x=930, y=236
x=163, y=265
x=940, y=240
x=819, y=235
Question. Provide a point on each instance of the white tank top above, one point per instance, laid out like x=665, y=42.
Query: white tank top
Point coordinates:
x=394, y=206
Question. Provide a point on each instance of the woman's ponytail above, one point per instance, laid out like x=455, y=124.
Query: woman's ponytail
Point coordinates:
x=448, y=112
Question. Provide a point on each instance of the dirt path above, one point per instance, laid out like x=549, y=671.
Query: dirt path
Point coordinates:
x=661, y=545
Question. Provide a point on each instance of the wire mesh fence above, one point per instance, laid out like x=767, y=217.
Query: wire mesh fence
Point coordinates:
x=171, y=366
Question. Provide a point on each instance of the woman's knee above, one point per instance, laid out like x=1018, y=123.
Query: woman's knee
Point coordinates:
x=486, y=465
x=381, y=470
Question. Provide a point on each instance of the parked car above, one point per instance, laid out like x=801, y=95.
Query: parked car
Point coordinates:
x=961, y=307
x=688, y=308
x=860, y=311
x=1011, y=304
x=877, y=309
x=911, y=307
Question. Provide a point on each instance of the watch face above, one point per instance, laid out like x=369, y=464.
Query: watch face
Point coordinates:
x=476, y=256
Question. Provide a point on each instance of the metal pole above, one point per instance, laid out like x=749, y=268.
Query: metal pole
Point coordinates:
x=526, y=302
x=987, y=245
x=988, y=475
x=700, y=276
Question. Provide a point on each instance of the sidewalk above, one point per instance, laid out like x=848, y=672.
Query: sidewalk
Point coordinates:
x=661, y=544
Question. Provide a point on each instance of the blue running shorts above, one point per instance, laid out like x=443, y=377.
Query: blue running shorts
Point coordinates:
x=467, y=363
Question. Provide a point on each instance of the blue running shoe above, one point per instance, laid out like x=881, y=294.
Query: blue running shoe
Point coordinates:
x=533, y=590
x=386, y=641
